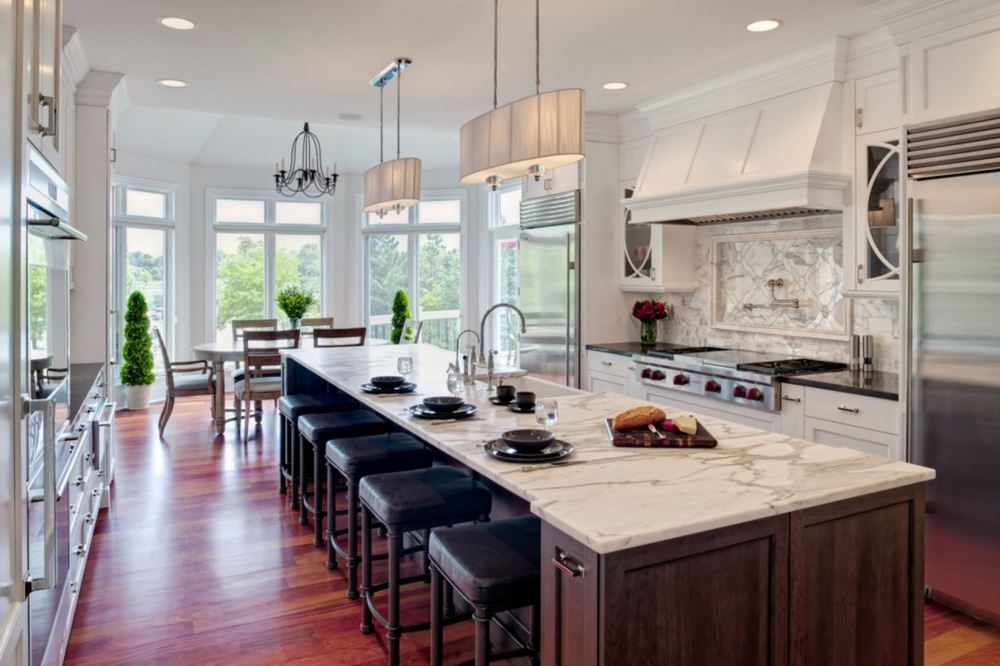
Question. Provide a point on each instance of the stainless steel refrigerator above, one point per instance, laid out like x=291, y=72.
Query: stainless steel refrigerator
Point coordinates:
x=954, y=359
x=549, y=291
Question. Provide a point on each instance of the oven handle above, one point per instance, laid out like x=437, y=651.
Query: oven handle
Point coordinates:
x=46, y=406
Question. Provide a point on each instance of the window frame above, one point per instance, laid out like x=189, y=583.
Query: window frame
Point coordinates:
x=270, y=229
x=413, y=230
x=494, y=234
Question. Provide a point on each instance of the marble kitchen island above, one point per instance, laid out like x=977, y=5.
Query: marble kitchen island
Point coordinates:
x=766, y=549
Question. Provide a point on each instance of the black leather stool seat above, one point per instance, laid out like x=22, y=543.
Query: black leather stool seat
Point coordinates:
x=434, y=496
x=318, y=428
x=357, y=457
x=294, y=406
x=492, y=564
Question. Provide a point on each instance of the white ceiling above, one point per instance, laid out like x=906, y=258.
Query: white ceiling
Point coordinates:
x=258, y=68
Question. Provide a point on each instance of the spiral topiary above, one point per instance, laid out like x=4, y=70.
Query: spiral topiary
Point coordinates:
x=400, y=313
x=137, y=353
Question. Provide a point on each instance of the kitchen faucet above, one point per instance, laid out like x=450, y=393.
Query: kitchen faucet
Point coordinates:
x=469, y=370
x=482, y=327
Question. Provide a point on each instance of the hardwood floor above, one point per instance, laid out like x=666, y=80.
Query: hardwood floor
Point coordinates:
x=199, y=561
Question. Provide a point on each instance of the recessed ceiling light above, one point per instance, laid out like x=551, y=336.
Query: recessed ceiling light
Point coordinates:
x=764, y=25
x=350, y=116
x=173, y=83
x=615, y=85
x=176, y=23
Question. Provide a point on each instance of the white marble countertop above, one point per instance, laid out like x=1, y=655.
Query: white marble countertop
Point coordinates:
x=614, y=498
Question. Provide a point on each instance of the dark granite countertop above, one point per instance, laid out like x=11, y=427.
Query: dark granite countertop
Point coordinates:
x=81, y=380
x=629, y=348
x=877, y=384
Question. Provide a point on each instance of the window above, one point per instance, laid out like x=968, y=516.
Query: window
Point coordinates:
x=417, y=250
x=143, y=258
x=262, y=245
x=504, y=219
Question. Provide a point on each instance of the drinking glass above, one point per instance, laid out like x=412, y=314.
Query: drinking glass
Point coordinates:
x=547, y=412
x=456, y=383
x=405, y=366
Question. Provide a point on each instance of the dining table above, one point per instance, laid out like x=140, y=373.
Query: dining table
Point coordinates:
x=220, y=352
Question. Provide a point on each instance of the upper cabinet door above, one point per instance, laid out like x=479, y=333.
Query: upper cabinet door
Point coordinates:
x=879, y=213
x=877, y=103
x=42, y=57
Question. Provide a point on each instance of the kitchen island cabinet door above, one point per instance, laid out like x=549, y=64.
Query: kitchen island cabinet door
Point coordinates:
x=570, y=600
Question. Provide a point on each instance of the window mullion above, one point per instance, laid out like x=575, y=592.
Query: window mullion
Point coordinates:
x=270, y=269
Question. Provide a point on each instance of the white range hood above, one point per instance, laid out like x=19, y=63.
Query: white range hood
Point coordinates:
x=778, y=158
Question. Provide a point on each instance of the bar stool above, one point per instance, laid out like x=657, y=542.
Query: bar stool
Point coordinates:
x=354, y=458
x=290, y=408
x=403, y=502
x=494, y=567
x=314, y=431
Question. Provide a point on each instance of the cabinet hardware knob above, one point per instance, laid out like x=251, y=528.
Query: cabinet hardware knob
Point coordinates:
x=80, y=550
x=790, y=398
x=78, y=481
x=852, y=410
x=568, y=566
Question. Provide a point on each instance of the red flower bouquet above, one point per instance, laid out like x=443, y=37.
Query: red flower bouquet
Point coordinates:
x=649, y=312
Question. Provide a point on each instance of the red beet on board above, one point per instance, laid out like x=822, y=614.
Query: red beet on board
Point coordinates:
x=677, y=440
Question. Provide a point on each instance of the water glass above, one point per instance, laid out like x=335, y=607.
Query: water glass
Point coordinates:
x=405, y=366
x=456, y=383
x=547, y=412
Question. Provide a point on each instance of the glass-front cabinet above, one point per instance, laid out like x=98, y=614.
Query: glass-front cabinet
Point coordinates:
x=636, y=252
x=879, y=210
x=655, y=257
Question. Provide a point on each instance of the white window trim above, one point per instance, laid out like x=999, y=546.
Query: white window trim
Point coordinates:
x=122, y=183
x=496, y=233
x=413, y=230
x=268, y=229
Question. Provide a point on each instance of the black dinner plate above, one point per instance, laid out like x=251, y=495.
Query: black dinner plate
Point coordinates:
x=406, y=387
x=462, y=412
x=500, y=450
x=521, y=410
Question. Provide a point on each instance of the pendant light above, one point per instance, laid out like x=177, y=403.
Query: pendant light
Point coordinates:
x=393, y=185
x=527, y=137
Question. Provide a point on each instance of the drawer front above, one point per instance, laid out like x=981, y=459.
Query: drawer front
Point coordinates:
x=874, y=442
x=792, y=410
x=599, y=382
x=854, y=410
x=609, y=364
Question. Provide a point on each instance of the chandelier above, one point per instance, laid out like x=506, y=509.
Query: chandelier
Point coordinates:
x=307, y=175
x=527, y=137
x=393, y=185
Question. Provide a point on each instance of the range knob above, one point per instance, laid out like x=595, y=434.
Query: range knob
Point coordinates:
x=658, y=375
x=739, y=391
x=647, y=373
x=713, y=386
x=681, y=380
x=755, y=394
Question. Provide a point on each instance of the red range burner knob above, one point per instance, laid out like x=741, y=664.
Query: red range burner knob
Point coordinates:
x=755, y=394
x=658, y=375
x=681, y=380
x=713, y=386
x=739, y=391
x=647, y=373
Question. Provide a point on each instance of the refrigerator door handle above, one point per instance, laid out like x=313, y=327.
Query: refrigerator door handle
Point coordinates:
x=47, y=409
x=569, y=304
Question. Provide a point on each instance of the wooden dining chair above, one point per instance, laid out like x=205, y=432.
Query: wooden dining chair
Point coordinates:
x=312, y=323
x=180, y=383
x=240, y=327
x=261, y=354
x=411, y=332
x=339, y=337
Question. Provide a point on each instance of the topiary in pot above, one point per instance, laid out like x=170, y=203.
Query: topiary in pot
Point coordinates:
x=400, y=313
x=295, y=303
x=137, y=353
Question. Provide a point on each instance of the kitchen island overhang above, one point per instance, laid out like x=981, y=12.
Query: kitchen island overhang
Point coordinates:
x=760, y=502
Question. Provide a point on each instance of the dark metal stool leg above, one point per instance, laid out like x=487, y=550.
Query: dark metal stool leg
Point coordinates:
x=304, y=457
x=318, y=495
x=426, y=555
x=293, y=462
x=482, y=619
x=437, y=628
x=352, y=539
x=282, y=454
x=449, y=597
x=392, y=630
x=331, y=513
x=366, y=569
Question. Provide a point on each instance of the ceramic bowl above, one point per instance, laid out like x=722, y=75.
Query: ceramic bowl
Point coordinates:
x=527, y=440
x=387, y=382
x=443, y=403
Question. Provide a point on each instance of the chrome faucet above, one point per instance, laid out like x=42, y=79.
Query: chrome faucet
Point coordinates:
x=482, y=327
x=458, y=354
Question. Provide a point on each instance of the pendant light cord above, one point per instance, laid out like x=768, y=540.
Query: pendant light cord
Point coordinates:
x=496, y=48
x=399, y=91
x=381, y=124
x=538, y=49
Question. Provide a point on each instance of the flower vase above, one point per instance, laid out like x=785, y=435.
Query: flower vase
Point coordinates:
x=648, y=334
x=294, y=323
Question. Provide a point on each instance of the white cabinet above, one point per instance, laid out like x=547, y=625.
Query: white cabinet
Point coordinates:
x=563, y=179
x=877, y=103
x=859, y=422
x=793, y=411
x=608, y=373
x=42, y=58
x=655, y=257
x=859, y=439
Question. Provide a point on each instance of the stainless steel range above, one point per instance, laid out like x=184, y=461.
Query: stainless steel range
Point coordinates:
x=744, y=378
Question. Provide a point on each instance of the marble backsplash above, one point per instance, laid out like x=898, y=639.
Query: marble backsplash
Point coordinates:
x=692, y=321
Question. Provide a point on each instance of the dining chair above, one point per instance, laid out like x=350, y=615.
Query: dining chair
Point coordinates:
x=339, y=337
x=311, y=323
x=240, y=327
x=179, y=382
x=411, y=331
x=261, y=354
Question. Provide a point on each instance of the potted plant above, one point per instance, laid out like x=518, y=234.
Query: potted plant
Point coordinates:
x=137, y=353
x=649, y=312
x=400, y=313
x=295, y=303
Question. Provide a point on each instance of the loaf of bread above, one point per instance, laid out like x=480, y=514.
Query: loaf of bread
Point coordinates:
x=638, y=417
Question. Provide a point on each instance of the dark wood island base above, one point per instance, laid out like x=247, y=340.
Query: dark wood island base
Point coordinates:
x=836, y=584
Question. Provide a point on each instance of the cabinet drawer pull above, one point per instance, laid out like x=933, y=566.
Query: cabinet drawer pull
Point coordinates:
x=80, y=550
x=790, y=398
x=608, y=363
x=78, y=481
x=568, y=566
x=852, y=410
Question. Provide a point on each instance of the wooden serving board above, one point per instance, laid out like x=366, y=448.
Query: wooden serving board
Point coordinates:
x=644, y=438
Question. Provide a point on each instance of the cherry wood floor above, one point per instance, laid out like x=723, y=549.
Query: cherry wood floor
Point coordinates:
x=199, y=561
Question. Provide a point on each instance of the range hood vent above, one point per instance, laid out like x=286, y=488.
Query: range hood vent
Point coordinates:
x=775, y=159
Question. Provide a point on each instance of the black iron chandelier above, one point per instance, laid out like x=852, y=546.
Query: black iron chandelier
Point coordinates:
x=307, y=175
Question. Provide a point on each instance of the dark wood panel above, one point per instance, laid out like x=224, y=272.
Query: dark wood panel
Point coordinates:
x=570, y=603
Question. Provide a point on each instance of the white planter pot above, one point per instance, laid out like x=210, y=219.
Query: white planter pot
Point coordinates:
x=137, y=397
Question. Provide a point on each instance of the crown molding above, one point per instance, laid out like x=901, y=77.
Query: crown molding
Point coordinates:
x=97, y=88
x=822, y=63
x=602, y=128
x=74, y=61
x=908, y=20
x=871, y=52
x=633, y=126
